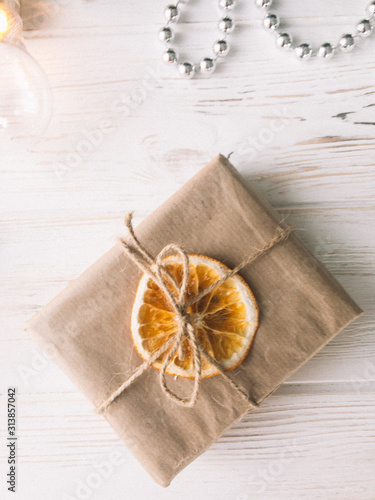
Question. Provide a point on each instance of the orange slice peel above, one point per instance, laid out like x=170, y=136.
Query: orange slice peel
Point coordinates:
x=225, y=320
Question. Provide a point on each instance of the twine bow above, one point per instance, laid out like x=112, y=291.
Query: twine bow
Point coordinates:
x=180, y=304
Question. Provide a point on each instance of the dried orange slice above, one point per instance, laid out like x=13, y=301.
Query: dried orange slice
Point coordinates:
x=225, y=320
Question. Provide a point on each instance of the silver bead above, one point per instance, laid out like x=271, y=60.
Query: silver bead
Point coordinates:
x=227, y=4
x=226, y=25
x=284, y=41
x=271, y=22
x=364, y=28
x=170, y=56
x=166, y=35
x=171, y=13
x=207, y=65
x=303, y=51
x=346, y=43
x=325, y=51
x=371, y=8
x=187, y=69
x=221, y=48
x=263, y=4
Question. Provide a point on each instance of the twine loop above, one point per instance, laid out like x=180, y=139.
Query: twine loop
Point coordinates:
x=178, y=299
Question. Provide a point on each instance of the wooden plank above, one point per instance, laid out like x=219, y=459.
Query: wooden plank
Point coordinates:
x=314, y=446
x=293, y=134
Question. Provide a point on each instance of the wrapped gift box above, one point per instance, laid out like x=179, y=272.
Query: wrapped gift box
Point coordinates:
x=216, y=214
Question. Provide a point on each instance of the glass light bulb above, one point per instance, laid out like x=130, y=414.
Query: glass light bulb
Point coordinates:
x=25, y=94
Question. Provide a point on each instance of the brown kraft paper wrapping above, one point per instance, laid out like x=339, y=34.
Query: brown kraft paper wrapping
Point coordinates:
x=216, y=214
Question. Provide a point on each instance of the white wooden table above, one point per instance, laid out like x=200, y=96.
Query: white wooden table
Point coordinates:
x=303, y=133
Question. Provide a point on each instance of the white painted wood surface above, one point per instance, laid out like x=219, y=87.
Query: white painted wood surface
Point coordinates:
x=302, y=133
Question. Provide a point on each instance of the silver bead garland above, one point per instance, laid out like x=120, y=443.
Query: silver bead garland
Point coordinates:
x=220, y=48
x=304, y=51
x=271, y=22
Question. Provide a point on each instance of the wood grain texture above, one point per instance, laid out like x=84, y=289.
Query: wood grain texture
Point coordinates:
x=126, y=133
x=322, y=445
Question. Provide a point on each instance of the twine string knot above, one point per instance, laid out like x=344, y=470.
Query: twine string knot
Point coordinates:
x=177, y=295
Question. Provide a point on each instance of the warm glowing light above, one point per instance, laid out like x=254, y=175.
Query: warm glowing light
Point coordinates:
x=10, y=25
x=3, y=22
